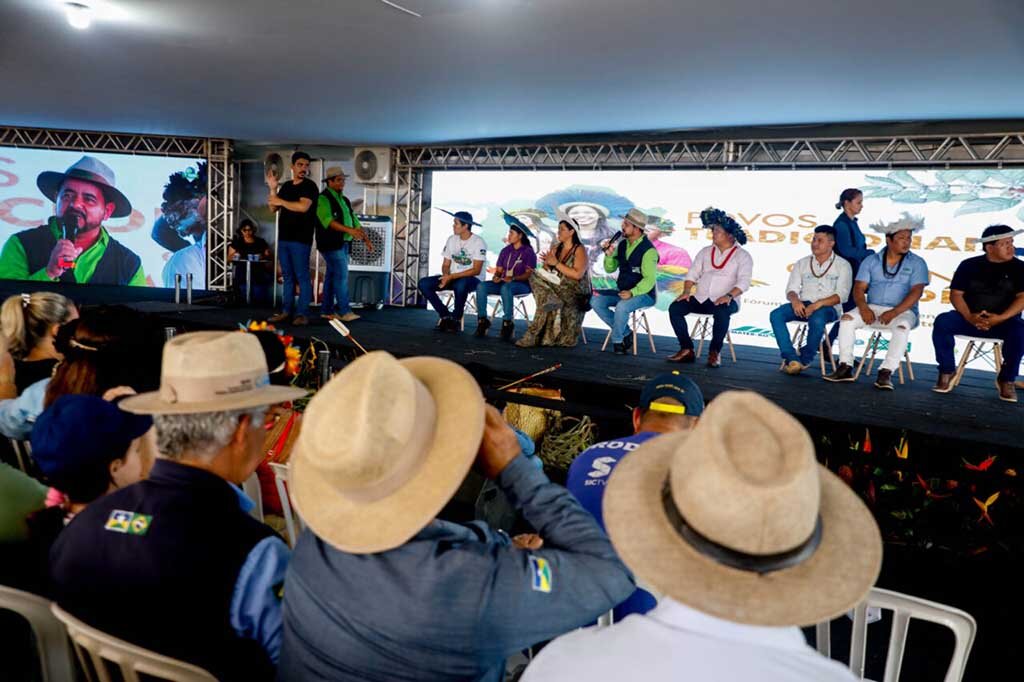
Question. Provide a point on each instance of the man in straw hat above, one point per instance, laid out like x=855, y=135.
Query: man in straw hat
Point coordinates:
x=339, y=227
x=382, y=590
x=463, y=260
x=987, y=293
x=745, y=536
x=636, y=259
x=887, y=288
x=175, y=563
x=73, y=245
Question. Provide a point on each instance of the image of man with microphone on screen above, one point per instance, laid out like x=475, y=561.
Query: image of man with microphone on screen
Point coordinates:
x=73, y=246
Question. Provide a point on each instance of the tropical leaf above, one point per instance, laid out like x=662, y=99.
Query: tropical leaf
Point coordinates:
x=939, y=195
x=1020, y=213
x=991, y=500
x=909, y=196
x=948, y=176
x=883, y=180
x=968, y=196
x=905, y=178
x=875, y=192
x=989, y=205
x=977, y=176
x=1012, y=178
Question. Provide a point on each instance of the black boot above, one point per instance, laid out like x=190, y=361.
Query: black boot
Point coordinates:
x=507, y=329
x=482, y=325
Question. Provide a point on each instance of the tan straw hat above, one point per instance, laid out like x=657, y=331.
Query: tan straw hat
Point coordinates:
x=384, y=446
x=637, y=217
x=211, y=372
x=333, y=172
x=738, y=520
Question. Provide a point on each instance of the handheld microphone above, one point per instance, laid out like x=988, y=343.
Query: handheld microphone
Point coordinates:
x=614, y=238
x=69, y=228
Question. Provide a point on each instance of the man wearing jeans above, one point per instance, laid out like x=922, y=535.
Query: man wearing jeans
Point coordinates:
x=295, y=202
x=817, y=288
x=462, y=263
x=337, y=227
x=636, y=259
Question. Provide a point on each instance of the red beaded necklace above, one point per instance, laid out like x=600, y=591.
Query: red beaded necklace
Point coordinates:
x=715, y=265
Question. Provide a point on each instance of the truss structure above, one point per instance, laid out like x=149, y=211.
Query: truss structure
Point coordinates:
x=408, y=219
x=221, y=202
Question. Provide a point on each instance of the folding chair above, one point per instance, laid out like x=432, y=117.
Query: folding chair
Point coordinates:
x=51, y=639
x=637, y=320
x=702, y=328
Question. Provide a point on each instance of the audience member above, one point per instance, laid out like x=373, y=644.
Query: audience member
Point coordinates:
x=20, y=496
x=30, y=323
x=668, y=403
x=295, y=203
x=175, y=563
x=379, y=589
x=745, y=536
x=515, y=265
x=463, y=260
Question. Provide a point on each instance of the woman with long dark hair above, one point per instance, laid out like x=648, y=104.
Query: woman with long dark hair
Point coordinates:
x=850, y=242
x=557, y=288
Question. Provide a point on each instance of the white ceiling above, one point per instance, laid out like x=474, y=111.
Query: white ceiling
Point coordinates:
x=338, y=71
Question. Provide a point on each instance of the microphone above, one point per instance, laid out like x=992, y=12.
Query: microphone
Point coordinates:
x=69, y=227
x=615, y=237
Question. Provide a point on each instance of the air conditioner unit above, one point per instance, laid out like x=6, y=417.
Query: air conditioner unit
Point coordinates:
x=372, y=165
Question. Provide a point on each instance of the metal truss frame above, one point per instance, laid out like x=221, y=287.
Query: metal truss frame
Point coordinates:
x=408, y=219
x=221, y=202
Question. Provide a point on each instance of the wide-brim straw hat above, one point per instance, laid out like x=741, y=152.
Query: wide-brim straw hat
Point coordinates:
x=89, y=169
x=211, y=372
x=384, y=446
x=333, y=172
x=747, y=484
x=638, y=218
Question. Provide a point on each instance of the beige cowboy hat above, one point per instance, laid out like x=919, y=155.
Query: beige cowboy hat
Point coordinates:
x=637, y=217
x=333, y=172
x=92, y=170
x=737, y=519
x=211, y=372
x=384, y=446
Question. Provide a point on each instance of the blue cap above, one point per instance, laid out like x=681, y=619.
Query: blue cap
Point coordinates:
x=673, y=385
x=462, y=216
x=80, y=432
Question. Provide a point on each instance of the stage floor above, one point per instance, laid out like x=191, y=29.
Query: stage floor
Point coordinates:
x=603, y=384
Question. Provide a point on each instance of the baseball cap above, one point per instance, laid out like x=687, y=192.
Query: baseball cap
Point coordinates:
x=672, y=385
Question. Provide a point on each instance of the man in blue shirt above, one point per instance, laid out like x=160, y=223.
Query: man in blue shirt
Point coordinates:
x=668, y=403
x=888, y=287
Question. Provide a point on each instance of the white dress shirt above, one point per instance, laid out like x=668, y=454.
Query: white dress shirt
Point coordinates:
x=808, y=282
x=675, y=642
x=712, y=282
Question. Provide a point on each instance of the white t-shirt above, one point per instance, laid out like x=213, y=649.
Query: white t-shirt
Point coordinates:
x=462, y=253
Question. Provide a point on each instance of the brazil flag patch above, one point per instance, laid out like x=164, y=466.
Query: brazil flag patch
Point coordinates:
x=541, y=574
x=121, y=521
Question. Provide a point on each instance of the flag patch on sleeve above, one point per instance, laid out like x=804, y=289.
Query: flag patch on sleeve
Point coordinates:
x=121, y=521
x=541, y=574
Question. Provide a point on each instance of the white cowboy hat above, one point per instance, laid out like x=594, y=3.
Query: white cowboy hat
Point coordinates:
x=736, y=519
x=384, y=446
x=906, y=222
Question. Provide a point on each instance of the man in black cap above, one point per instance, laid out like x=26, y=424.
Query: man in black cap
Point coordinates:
x=73, y=246
x=464, y=256
x=295, y=201
x=987, y=293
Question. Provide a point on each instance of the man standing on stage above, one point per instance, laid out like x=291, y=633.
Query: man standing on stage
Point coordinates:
x=718, y=277
x=816, y=290
x=636, y=259
x=295, y=201
x=338, y=226
x=987, y=293
x=464, y=256
x=73, y=246
x=888, y=287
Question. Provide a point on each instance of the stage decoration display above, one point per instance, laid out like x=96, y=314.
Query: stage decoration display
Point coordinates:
x=99, y=218
x=777, y=209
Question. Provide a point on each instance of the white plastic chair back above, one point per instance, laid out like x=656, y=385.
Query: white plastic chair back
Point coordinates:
x=904, y=607
x=292, y=522
x=23, y=452
x=51, y=638
x=98, y=651
x=252, y=489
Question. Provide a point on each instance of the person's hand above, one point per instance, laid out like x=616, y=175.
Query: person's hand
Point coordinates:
x=499, y=445
x=443, y=280
x=274, y=201
x=527, y=541
x=64, y=251
x=358, y=233
x=496, y=278
x=625, y=295
x=984, y=320
x=867, y=314
x=724, y=300
x=271, y=183
x=799, y=309
x=369, y=244
x=887, y=317
x=550, y=259
x=685, y=296
x=507, y=277
x=113, y=394
x=609, y=249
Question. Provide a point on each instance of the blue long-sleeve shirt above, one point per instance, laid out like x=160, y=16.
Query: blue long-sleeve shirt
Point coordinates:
x=454, y=601
x=18, y=415
x=850, y=242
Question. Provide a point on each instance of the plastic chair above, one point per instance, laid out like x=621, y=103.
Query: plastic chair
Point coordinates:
x=23, y=451
x=292, y=522
x=872, y=349
x=993, y=354
x=637, y=320
x=98, y=651
x=51, y=638
x=702, y=328
x=447, y=297
x=518, y=305
x=800, y=336
x=904, y=607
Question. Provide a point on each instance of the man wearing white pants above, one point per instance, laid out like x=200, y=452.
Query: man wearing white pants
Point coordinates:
x=888, y=287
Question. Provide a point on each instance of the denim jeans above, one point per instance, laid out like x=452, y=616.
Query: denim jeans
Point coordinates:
x=294, y=258
x=506, y=290
x=951, y=323
x=429, y=286
x=678, y=311
x=615, y=311
x=815, y=330
x=336, y=282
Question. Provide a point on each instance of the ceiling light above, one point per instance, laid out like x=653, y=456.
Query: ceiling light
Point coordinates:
x=79, y=15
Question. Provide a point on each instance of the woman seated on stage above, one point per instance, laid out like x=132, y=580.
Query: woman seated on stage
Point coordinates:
x=516, y=264
x=558, y=288
x=246, y=246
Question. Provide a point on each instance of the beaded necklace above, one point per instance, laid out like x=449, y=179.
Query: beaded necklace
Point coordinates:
x=830, y=262
x=885, y=264
x=715, y=265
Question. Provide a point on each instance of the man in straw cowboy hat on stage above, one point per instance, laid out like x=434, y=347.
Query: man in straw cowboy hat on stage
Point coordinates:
x=745, y=536
x=338, y=227
x=382, y=590
x=73, y=245
x=175, y=563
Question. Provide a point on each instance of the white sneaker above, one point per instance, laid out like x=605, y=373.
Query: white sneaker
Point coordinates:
x=349, y=317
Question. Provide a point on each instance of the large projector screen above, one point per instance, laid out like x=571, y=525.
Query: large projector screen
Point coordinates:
x=141, y=219
x=778, y=210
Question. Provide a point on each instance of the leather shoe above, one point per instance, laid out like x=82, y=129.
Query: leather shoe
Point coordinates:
x=684, y=355
x=794, y=367
x=627, y=340
x=278, y=317
x=300, y=321
x=714, y=358
x=508, y=328
x=1007, y=391
x=842, y=373
x=481, y=328
x=884, y=380
x=619, y=349
x=944, y=383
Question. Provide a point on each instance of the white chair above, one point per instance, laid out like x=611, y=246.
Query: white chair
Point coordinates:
x=97, y=652
x=904, y=607
x=447, y=297
x=252, y=489
x=990, y=350
x=703, y=325
x=637, y=321
x=798, y=339
x=292, y=521
x=518, y=306
x=51, y=638
x=872, y=349
x=23, y=452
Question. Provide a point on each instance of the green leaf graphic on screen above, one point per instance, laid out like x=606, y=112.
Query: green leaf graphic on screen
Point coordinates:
x=980, y=191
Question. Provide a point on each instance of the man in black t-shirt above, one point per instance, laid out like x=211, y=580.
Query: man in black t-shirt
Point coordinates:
x=295, y=202
x=987, y=293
